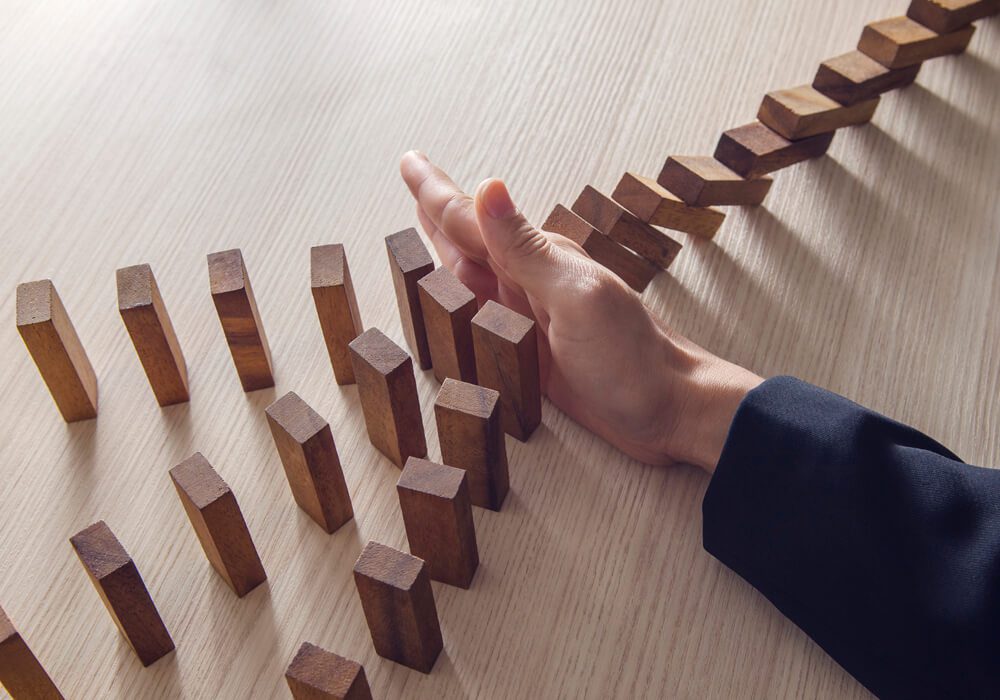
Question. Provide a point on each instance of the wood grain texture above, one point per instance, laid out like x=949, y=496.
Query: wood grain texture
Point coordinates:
x=945, y=16
x=318, y=674
x=336, y=306
x=650, y=202
x=448, y=307
x=802, y=112
x=703, y=181
x=753, y=150
x=409, y=262
x=898, y=42
x=20, y=672
x=854, y=77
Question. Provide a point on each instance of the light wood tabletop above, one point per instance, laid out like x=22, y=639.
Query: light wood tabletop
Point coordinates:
x=142, y=131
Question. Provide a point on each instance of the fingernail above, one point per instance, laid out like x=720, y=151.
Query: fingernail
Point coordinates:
x=416, y=154
x=497, y=200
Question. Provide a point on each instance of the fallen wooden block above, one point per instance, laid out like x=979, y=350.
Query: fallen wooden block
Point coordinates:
x=437, y=514
x=604, y=214
x=652, y=203
x=854, y=77
x=387, y=389
x=409, y=261
x=448, y=308
x=801, y=112
x=336, y=306
x=120, y=586
x=944, y=16
x=218, y=522
x=152, y=333
x=309, y=455
x=704, y=181
x=318, y=674
x=753, y=150
x=471, y=438
x=898, y=42
x=20, y=672
x=237, y=309
x=398, y=602
x=55, y=347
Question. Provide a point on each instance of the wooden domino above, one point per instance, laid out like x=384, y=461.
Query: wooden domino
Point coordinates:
x=387, y=389
x=20, y=672
x=801, y=112
x=704, y=181
x=318, y=674
x=308, y=454
x=398, y=603
x=753, y=150
x=409, y=261
x=898, y=42
x=336, y=306
x=854, y=77
x=120, y=586
x=944, y=16
x=471, y=438
x=507, y=361
x=146, y=320
x=55, y=347
x=448, y=308
x=218, y=522
x=608, y=217
x=652, y=203
x=241, y=324
x=437, y=515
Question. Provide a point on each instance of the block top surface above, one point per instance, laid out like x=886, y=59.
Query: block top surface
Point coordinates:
x=705, y=167
x=388, y=565
x=804, y=100
x=296, y=417
x=444, y=287
x=856, y=66
x=408, y=250
x=326, y=265
x=901, y=30
x=196, y=477
x=652, y=187
x=467, y=398
x=323, y=670
x=597, y=209
x=99, y=550
x=7, y=629
x=135, y=286
x=34, y=302
x=226, y=271
x=375, y=348
x=566, y=223
x=430, y=477
x=504, y=322
x=757, y=137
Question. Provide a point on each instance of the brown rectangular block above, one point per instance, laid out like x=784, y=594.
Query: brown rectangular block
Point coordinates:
x=388, y=392
x=336, y=306
x=753, y=150
x=803, y=111
x=604, y=214
x=437, y=514
x=703, y=181
x=398, y=602
x=854, y=77
x=309, y=455
x=241, y=324
x=471, y=438
x=898, y=42
x=20, y=672
x=148, y=324
x=944, y=16
x=55, y=347
x=448, y=308
x=409, y=261
x=218, y=522
x=120, y=586
x=318, y=674
x=652, y=203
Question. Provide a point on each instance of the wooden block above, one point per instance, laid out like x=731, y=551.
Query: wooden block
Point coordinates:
x=388, y=392
x=147, y=323
x=20, y=672
x=55, y=347
x=437, y=514
x=398, y=602
x=898, y=42
x=318, y=674
x=120, y=586
x=944, y=16
x=507, y=361
x=634, y=271
x=409, y=261
x=854, y=77
x=336, y=306
x=237, y=308
x=753, y=150
x=652, y=203
x=448, y=308
x=803, y=111
x=703, y=181
x=309, y=455
x=468, y=423
x=604, y=214
x=218, y=522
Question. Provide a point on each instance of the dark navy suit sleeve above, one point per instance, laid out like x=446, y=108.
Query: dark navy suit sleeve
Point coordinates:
x=878, y=542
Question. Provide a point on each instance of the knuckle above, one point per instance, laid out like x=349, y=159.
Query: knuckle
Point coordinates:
x=527, y=241
x=458, y=206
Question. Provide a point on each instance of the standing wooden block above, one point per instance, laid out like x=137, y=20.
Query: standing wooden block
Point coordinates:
x=437, y=514
x=471, y=437
x=704, y=181
x=854, y=77
x=218, y=522
x=801, y=112
x=409, y=261
x=336, y=306
x=634, y=271
x=448, y=307
x=120, y=586
x=753, y=150
x=309, y=456
x=507, y=361
x=604, y=214
x=147, y=322
x=237, y=308
x=55, y=347
x=944, y=16
x=388, y=392
x=318, y=674
x=898, y=42
x=396, y=596
x=20, y=672
x=652, y=203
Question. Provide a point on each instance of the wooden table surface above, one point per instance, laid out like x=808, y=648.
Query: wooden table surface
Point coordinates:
x=139, y=131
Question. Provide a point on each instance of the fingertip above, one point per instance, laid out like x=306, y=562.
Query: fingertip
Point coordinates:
x=495, y=199
x=413, y=165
